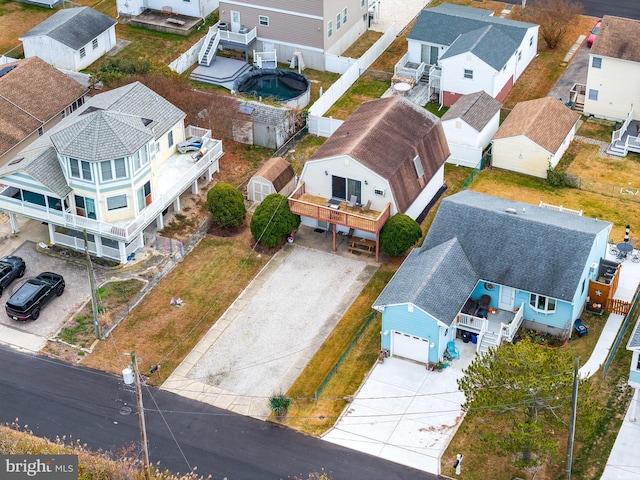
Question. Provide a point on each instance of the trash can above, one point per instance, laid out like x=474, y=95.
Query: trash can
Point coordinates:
x=474, y=338
x=223, y=26
x=466, y=337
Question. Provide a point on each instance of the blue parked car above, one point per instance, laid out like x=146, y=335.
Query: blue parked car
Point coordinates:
x=192, y=145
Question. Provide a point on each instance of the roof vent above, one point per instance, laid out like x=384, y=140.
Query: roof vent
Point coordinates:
x=6, y=70
x=511, y=210
x=15, y=161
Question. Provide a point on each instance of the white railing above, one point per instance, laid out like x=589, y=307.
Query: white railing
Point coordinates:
x=207, y=40
x=111, y=252
x=260, y=57
x=471, y=322
x=74, y=242
x=401, y=68
x=560, y=208
x=211, y=52
x=617, y=135
x=192, y=131
x=29, y=209
x=243, y=38
x=483, y=331
x=509, y=331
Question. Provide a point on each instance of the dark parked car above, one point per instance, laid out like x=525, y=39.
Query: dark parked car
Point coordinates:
x=33, y=295
x=10, y=268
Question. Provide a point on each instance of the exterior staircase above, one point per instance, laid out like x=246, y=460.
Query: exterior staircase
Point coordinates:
x=209, y=47
x=489, y=340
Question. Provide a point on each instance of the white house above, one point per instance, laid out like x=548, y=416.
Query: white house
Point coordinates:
x=387, y=157
x=469, y=125
x=34, y=96
x=534, y=136
x=195, y=8
x=613, y=78
x=110, y=168
x=465, y=50
x=72, y=38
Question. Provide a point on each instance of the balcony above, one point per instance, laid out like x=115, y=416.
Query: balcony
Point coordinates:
x=313, y=206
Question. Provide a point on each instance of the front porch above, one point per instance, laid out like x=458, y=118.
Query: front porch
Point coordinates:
x=498, y=326
x=339, y=213
x=626, y=139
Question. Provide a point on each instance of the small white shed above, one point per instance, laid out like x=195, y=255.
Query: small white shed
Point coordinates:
x=275, y=176
x=469, y=125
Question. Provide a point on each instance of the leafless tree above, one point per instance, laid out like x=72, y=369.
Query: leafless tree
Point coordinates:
x=553, y=16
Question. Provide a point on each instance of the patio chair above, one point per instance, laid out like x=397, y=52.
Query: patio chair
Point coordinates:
x=452, y=350
x=352, y=201
x=366, y=207
x=635, y=256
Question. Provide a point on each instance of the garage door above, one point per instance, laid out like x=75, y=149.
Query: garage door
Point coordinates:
x=409, y=346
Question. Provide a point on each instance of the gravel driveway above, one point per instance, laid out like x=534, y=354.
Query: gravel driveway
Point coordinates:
x=266, y=338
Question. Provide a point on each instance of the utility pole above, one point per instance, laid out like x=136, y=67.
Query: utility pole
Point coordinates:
x=94, y=303
x=143, y=428
x=574, y=409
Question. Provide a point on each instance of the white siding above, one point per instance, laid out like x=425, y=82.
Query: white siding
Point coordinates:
x=519, y=154
x=426, y=195
x=484, y=76
x=466, y=143
x=618, y=85
x=528, y=49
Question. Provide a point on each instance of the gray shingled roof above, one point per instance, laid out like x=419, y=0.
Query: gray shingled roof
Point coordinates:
x=488, y=43
x=535, y=249
x=73, y=27
x=443, y=24
x=437, y=280
x=42, y=165
x=116, y=123
x=476, y=109
x=634, y=340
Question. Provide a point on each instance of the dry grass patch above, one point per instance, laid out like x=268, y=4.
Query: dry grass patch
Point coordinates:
x=17, y=19
x=597, y=128
x=209, y=279
x=613, y=171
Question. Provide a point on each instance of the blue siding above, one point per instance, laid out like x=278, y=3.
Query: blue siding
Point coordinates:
x=634, y=378
x=399, y=318
x=26, y=182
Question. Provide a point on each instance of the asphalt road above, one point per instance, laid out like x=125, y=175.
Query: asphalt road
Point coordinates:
x=598, y=8
x=56, y=399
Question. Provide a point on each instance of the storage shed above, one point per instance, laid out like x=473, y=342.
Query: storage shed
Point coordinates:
x=275, y=176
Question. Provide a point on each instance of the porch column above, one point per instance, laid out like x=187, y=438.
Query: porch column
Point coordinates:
x=334, y=236
x=176, y=204
x=13, y=218
x=194, y=187
x=52, y=230
x=377, y=246
x=209, y=173
x=159, y=222
x=123, y=252
x=98, y=241
x=633, y=406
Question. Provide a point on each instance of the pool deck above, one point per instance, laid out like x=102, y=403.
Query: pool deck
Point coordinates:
x=222, y=71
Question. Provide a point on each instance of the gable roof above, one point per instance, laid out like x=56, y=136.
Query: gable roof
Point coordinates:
x=634, y=340
x=278, y=171
x=477, y=109
x=385, y=135
x=546, y=121
x=443, y=24
x=618, y=38
x=73, y=27
x=116, y=123
x=426, y=277
x=42, y=165
x=31, y=94
x=535, y=249
x=488, y=43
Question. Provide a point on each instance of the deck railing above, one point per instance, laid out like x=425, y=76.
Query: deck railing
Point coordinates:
x=401, y=68
x=243, y=38
x=509, y=330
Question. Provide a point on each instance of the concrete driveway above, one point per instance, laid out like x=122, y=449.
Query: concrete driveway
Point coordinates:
x=265, y=339
x=32, y=335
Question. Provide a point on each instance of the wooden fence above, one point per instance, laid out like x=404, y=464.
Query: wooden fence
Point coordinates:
x=618, y=306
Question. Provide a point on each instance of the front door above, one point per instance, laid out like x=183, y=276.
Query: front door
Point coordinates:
x=507, y=296
x=235, y=21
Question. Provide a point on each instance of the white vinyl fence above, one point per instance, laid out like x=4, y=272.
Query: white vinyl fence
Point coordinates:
x=188, y=58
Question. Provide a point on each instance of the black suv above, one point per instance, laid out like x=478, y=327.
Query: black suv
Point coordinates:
x=10, y=268
x=33, y=295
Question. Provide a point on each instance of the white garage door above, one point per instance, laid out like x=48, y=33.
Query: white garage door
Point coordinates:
x=409, y=346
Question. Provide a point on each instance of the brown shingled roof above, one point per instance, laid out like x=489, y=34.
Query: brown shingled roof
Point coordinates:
x=546, y=121
x=477, y=109
x=385, y=135
x=618, y=38
x=37, y=92
x=278, y=171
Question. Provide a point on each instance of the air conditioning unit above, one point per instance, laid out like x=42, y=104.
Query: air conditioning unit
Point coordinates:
x=378, y=191
x=594, y=267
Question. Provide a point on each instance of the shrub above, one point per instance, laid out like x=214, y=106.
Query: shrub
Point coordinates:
x=272, y=220
x=279, y=404
x=398, y=234
x=226, y=204
x=557, y=178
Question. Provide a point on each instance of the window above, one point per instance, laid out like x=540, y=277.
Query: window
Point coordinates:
x=80, y=169
x=531, y=42
x=329, y=29
x=361, y=3
x=344, y=16
x=77, y=104
x=418, y=166
x=468, y=74
x=542, y=303
x=170, y=139
x=63, y=114
x=145, y=156
x=85, y=206
x=263, y=20
x=117, y=202
x=54, y=203
x=40, y=131
x=83, y=53
x=94, y=43
x=338, y=19
x=136, y=161
x=593, y=94
x=596, y=62
x=519, y=56
x=144, y=196
x=111, y=169
x=342, y=188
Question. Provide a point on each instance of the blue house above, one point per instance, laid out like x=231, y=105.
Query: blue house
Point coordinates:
x=487, y=266
x=634, y=373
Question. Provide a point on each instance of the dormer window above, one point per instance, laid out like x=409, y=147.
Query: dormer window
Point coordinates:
x=418, y=166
